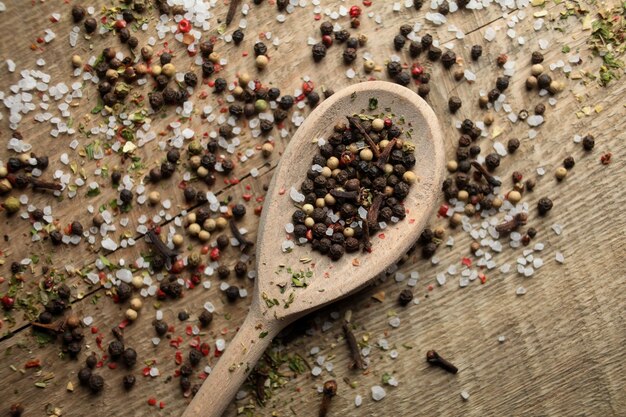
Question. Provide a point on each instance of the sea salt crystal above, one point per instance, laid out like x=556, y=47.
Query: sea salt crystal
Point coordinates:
x=220, y=344
x=378, y=393
x=520, y=291
x=358, y=400
x=534, y=120
x=543, y=43
x=109, y=244
x=490, y=34
x=88, y=320
x=557, y=228
x=316, y=371
x=441, y=278
x=465, y=395
x=558, y=256
x=394, y=321
x=350, y=73
x=295, y=195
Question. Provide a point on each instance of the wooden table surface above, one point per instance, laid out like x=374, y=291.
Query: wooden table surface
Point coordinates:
x=556, y=350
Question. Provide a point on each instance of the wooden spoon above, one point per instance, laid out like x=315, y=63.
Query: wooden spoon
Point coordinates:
x=276, y=301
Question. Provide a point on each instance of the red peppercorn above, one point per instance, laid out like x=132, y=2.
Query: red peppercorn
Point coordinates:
x=388, y=122
x=417, y=70
x=215, y=254
x=177, y=266
x=443, y=210
x=307, y=87
x=355, y=11
x=120, y=24
x=152, y=401
x=184, y=26
x=327, y=40
x=7, y=302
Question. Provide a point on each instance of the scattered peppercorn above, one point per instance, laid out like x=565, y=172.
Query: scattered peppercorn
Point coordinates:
x=512, y=145
x=405, y=297
x=544, y=205
x=78, y=13
x=129, y=382
x=91, y=25
x=588, y=142
x=476, y=52
x=454, y=103
x=96, y=383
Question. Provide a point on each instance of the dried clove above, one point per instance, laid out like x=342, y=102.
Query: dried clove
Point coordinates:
x=355, y=351
x=372, y=213
x=330, y=390
x=433, y=358
x=232, y=9
x=348, y=195
x=158, y=244
x=488, y=177
x=384, y=155
x=243, y=242
x=518, y=220
x=355, y=122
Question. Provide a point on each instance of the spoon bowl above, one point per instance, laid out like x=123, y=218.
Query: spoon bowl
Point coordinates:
x=292, y=283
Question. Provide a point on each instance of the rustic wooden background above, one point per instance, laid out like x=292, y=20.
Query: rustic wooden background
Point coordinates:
x=564, y=339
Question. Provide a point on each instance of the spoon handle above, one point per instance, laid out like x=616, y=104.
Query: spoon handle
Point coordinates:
x=237, y=361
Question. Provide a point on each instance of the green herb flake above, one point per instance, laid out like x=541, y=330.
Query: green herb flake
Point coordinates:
x=262, y=335
x=98, y=108
x=373, y=104
x=565, y=49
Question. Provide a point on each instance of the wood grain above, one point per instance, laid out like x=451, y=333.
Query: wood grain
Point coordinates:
x=564, y=339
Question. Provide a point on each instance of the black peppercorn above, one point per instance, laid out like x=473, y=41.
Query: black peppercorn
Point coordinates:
x=476, y=52
x=474, y=151
x=116, y=349
x=405, y=30
x=403, y=78
x=239, y=210
x=336, y=252
x=156, y=100
x=492, y=161
x=220, y=85
x=502, y=83
x=191, y=79
x=83, y=376
x=183, y=315
x=326, y=28
x=78, y=13
x=165, y=58
x=205, y=318
x=531, y=232
x=124, y=291
x=319, y=52
x=454, y=103
x=96, y=383
x=543, y=81
x=126, y=196
x=223, y=271
x=588, y=142
x=444, y=8
x=544, y=205
x=429, y=249
x=91, y=361
x=417, y=4
x=512, y=145
x=91, y=25
x=405, y=297
x=540, y=109
x=313, y=98
x=393, y=68
x=260, y=49
x=133, y=42
x=232, y=293
x=427, y=41
x=207, y=68
x=286, y=102
x=130, y=357
x=273, y=93
x=423, y=90
x=569, y=162
x=448, y=59
x=398, y=42
x=415, y=48
x=434, y=53
x=76, y=228
x=128, y=381
x=238, y=36
x=160, y=327
x=349, y=55
x=342, y=36
x=194, y=357
x=493, y=95
x=124, y=35
x=536, y=57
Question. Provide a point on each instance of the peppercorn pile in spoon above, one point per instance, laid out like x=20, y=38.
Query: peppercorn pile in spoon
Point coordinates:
x=355, y=186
